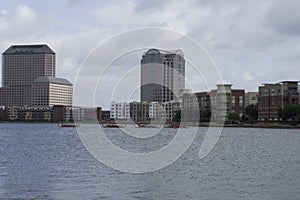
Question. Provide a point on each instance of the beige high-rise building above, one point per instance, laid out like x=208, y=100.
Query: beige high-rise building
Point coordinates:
x=21, y=66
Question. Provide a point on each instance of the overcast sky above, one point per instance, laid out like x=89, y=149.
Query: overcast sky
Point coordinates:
x=251, y=42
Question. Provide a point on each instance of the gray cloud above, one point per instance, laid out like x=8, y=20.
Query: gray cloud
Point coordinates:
x=251, y=41
x=284, y=17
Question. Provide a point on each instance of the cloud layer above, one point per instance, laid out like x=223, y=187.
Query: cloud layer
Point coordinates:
x=252, y=42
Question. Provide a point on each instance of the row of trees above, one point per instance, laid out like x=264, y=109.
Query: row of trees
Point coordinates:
x=288, y=113
x=192, y=115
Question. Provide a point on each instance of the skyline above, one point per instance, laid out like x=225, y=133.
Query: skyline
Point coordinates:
x=250, y=42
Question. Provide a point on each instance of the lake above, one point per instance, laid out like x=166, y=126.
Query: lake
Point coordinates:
x=43, y=161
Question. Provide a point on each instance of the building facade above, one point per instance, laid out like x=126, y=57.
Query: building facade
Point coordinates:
x=273, y=97
x=50, y=91
x=162, y=75
x=22, y=65
x=219, y=102
x=139, y=112
x=251, y=98
x=119, y=110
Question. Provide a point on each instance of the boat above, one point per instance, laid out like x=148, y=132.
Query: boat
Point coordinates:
x=112, y=126
x=148, y=126
x=175, y=126
x=68, y=125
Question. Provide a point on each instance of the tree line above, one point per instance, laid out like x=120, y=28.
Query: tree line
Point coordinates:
x=290, y=113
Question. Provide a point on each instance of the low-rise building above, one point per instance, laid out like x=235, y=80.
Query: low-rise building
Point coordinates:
x=219, y=102
x=50, y=91
x=251, y=98
x=139, y=112
x=275, y=96
x=3, y=113
x=30, y=114
x=238, y=101
x=86, y=114
x=105, y=115
x=170, y=110
x=56, y=113
x=119, y=110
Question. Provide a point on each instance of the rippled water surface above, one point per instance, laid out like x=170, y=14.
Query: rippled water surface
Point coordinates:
x=42, y=161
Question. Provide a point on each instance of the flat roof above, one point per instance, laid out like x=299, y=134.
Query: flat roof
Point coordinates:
x=29, y=49
x=54, y=80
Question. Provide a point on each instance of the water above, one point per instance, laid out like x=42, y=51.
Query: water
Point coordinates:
x=42, y=161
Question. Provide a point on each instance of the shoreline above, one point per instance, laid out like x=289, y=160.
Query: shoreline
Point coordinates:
x=203, y=124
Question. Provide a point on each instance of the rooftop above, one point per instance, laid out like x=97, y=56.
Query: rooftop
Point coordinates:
x=29, y=49
x=54, y=80
x=161, y=51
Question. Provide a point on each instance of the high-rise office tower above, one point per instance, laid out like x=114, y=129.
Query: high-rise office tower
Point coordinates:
x=162, y=75
x=21, y=66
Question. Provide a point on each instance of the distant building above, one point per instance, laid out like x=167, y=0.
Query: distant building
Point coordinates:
x=251, y=98
x=3, y=113
x=50, y=91
x=56, y=113
x=139, y=111
x=30, y=114
x=220, y=102
x=86, y=114
x=238, y=101
x=25, y=65
x=119, y=110
x=299, y=92
x=196, y=101
x=105, y=115
x=162, y=75
x=170, y=110
x=275, y=96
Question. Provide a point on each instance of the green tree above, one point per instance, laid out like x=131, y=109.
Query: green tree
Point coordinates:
x=177, y=116
x=251, y=112
x=289, y=112
x=232, y=117
x=205, y=115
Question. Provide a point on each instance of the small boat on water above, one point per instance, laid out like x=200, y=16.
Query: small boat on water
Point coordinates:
x=71, y=125
x=112, y=126
x=148, y=126
x=176, y=126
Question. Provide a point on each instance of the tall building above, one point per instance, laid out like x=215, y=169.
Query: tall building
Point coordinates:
x=23, y=66
x=162, y=75
x=273, y=97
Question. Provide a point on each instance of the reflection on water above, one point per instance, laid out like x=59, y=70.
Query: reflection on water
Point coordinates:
x=41, y=161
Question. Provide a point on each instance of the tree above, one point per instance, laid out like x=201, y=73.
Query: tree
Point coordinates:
x=251, y=112
x=289, y=112
x=205, y=115
x=177, y=116
x=232, y=117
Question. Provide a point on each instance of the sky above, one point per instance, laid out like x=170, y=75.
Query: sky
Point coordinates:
x=251, y=42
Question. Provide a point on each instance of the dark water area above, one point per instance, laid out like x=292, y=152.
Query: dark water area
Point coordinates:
x=43, y=161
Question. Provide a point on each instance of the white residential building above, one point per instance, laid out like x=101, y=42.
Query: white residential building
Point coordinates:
x=119, y=110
